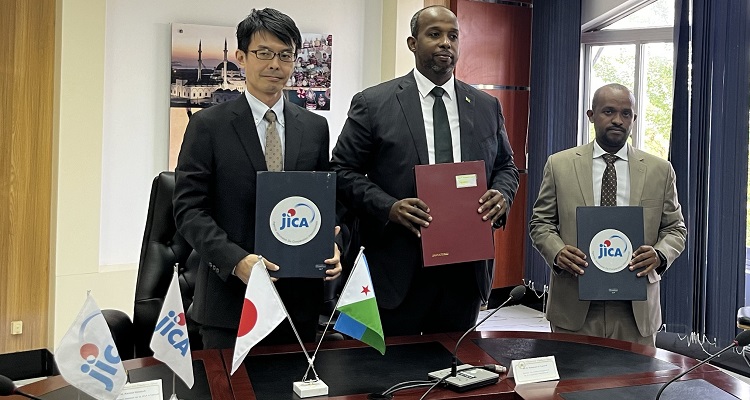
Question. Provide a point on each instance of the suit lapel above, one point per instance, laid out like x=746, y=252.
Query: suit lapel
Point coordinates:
x=292, y=135
x=583, y=165
x=244, y=127
x=469, y=143
x=411, y=105
x=637, y=168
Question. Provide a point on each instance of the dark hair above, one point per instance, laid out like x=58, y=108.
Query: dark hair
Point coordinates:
x=414, y=24
x=271, y=21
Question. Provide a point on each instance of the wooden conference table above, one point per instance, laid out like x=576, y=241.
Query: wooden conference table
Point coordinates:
x=590, y=368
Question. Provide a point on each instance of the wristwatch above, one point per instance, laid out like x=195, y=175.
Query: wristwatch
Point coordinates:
x=662, y=262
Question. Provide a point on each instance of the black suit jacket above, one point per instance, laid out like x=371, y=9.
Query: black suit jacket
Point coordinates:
x=381, y=142
x=214, y=199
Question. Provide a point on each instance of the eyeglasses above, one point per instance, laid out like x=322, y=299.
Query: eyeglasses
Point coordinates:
x=265, y=55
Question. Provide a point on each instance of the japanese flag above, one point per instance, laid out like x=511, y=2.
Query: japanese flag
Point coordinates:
x=262, y=312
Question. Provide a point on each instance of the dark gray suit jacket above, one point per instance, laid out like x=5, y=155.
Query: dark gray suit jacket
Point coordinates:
x=214, y=200
x=381, y=142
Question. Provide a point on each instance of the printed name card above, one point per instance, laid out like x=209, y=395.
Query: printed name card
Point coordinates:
x=147, y=390
x=531, y=370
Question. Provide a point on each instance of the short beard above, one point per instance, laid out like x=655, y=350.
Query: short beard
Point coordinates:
x=606, y=142
x=440, y=70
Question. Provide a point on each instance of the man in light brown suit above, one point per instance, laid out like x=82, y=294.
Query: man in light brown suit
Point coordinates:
x=573, y=178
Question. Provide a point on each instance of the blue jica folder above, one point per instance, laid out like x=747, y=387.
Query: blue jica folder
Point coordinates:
x=295, y=215
x=609, y=236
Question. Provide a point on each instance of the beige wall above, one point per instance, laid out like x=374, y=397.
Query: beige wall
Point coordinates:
x=77, y=167
x=404, y=59
x=396, y=58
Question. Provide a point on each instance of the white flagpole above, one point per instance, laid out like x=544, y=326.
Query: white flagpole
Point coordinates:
x=88, y=293
x=289, y=318
x=174, y=389
x=356, y=260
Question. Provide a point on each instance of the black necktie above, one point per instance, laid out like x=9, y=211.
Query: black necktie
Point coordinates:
x=609, y=181
x=441, y=128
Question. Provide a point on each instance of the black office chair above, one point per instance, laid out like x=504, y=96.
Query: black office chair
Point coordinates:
x=162, y=248
x=121, y=328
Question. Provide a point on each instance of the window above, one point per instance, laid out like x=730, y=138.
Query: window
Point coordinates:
x=635, y=51
x=659, y=14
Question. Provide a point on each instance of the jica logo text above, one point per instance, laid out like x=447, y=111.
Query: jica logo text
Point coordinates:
x=295, y=220
x=173, y=328
x=610, y=250
x=290, y=219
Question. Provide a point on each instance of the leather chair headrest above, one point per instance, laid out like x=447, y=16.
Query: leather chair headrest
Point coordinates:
x=162, y=248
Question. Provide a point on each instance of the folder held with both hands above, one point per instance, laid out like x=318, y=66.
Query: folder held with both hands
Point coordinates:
x=609, y=236
x=457, y=232
x=295, y=214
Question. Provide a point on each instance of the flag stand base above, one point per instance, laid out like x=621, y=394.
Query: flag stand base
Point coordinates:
x=310, y=388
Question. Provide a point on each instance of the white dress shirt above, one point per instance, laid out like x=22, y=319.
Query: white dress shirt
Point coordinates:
x=259, y=110
x=623, y=175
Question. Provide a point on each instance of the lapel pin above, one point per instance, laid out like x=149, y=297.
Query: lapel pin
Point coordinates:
x=468, y=100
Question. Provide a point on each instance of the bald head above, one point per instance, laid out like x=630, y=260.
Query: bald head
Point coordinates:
x=414, y=24
x=609, y=88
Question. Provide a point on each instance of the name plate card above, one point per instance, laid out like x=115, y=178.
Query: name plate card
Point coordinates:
x=531, y=370
x=147, y=390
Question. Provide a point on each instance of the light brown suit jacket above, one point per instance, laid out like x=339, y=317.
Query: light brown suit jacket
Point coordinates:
x=567, y=184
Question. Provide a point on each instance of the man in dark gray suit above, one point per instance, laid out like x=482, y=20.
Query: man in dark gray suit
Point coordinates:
x=214, y=201
x=389, y=130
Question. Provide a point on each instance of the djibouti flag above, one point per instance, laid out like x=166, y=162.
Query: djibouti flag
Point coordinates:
x=358, y=310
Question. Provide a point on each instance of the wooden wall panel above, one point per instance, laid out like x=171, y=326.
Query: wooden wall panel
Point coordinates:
x=495, y=42
x=509, y=243
x=27, y=45
x=515, y=105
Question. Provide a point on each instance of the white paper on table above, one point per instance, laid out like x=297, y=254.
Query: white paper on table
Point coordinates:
x=147, y=390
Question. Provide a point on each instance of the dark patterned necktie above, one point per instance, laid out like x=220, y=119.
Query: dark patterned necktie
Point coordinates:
x=273, y=144
x=441, y=128
x=609, y=181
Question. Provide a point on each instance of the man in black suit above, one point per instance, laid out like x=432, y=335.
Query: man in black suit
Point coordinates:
x=389, y=130
x=214, y=201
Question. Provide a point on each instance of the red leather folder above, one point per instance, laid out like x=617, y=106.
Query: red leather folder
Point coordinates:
x=457, y=232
